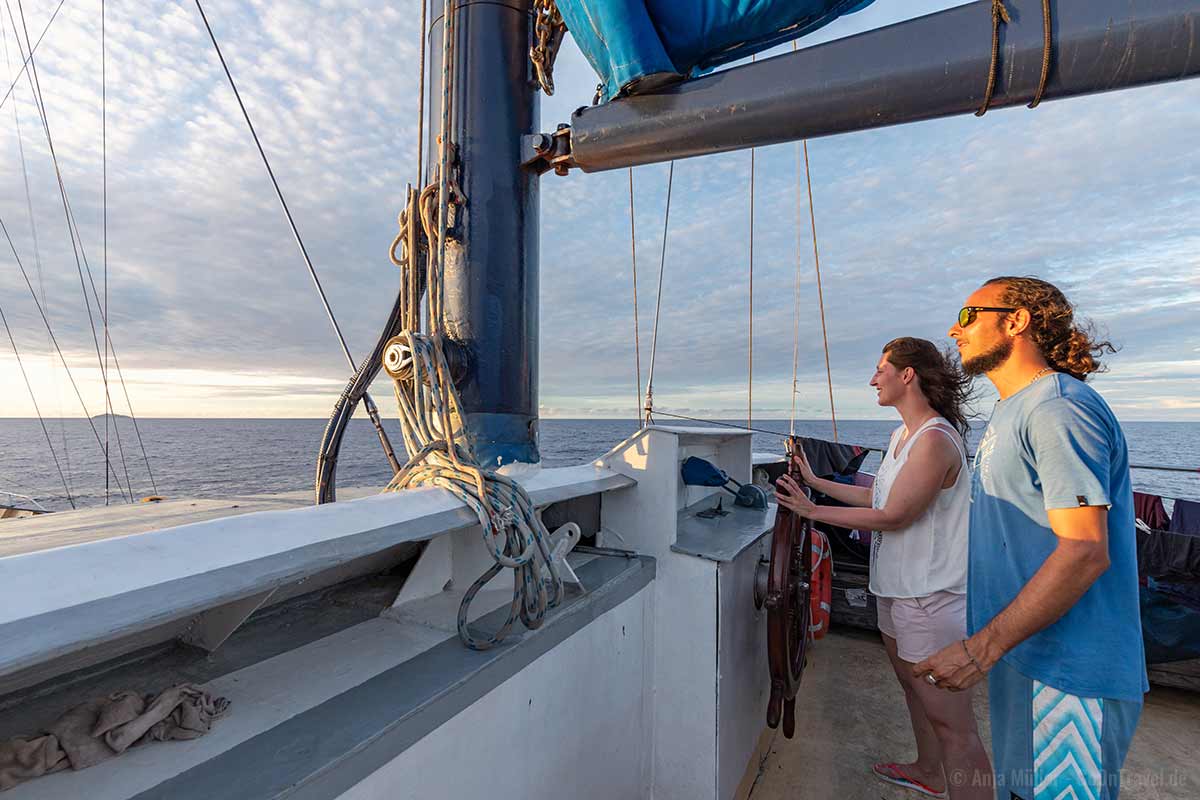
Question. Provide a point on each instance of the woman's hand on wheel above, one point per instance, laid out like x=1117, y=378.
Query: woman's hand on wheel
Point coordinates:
x=801, y=462
x=791, y=496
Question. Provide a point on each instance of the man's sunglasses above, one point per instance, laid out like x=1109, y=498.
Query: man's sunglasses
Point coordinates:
x=967, y=314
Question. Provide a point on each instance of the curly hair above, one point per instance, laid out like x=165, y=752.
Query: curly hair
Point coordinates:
x=944, y=384
x=1068, y=346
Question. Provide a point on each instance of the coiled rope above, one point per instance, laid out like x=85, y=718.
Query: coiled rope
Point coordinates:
x=431, y=416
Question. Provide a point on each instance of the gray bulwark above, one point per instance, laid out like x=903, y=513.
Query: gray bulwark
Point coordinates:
x=324, y=751
x=60, y=601
x=723, y=538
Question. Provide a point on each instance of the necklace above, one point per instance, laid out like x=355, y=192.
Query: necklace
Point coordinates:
x=1039, y=374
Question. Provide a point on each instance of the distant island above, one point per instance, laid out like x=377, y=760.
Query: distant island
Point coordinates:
x=100, y=417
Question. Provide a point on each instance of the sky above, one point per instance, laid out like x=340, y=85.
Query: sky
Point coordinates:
x=212, y=312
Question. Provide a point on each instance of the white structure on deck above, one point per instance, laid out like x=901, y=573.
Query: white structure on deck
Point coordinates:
x=650, y=681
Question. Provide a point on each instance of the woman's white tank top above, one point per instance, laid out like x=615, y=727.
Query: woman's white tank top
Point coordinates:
x=930, y=555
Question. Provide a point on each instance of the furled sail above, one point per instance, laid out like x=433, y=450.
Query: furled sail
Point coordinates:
x=636, y=45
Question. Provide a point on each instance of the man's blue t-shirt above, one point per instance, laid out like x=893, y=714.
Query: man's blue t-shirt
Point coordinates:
x=1056, y=444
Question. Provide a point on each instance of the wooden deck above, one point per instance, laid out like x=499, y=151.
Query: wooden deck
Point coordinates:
x=851, y=714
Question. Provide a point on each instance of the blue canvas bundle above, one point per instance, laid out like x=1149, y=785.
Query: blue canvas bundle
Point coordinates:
x=635, y=44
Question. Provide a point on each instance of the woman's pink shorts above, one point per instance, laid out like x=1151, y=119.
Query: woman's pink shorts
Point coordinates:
x=922, y=626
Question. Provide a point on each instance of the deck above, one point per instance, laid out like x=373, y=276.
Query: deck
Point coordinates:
x=851, y=714
x=44, y=531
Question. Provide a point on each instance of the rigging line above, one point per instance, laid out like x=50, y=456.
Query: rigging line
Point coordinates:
x=637, y=330
x=424, y=33
x=278, y=191
x=750, y=319
x=37, y=252
x=112, y=348
x=796, y=299
x=796, y=293
x=37, y=410
x=57, y=348
x=104, y=217
x=25, y=65
x=662, y=263
x=372, y=409
x=448, y=67
x=750, y=316
x=35, y=86
x=73, y=225
x=764, y=430
x=812, y=215
x=77, y=238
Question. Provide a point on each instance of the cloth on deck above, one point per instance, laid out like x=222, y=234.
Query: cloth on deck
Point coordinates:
x=1186, y=517
x=105, y=727
x=1168, y=556
x=1170, y=628
x=1149, y=509
x=828, y=459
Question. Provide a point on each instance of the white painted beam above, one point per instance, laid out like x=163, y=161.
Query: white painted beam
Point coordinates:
x=55, y=602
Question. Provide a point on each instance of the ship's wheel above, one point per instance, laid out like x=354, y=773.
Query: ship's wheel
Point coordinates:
x=786, y=597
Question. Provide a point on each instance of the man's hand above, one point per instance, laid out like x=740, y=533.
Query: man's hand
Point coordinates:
x=791, y=496
x=953, y=667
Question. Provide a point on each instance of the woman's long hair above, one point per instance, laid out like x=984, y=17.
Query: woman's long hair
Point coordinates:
x=1066, y=345
x=942, y=381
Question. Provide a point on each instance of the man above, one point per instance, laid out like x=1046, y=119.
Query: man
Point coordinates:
x=1052, y=593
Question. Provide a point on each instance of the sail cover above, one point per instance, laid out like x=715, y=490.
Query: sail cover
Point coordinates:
x=638, y=44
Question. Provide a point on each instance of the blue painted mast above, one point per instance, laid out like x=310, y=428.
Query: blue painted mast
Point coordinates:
x=491, y=308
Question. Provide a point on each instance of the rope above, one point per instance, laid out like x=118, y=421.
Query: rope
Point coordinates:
x=38, y=411
x=431, y=409
x=104, y=217
x=33, y=49
x=37, y=256
x=81, y=262
x=57, y=348
x=1047, y=50
x=423, y=32
x=637, y=331
x=662, y=263
x=750, y=314
x=35, y=87
x=750, y=310
x=820, y=293
x=77, y=241
x=796, y=295
x=372, y=410
x=512, y=529
x=1000, y=16
x=796, y=304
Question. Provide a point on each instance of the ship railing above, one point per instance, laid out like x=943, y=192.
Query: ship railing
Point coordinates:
x=69, y=607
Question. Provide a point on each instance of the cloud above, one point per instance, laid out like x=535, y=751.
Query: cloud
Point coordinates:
x=1095, y=193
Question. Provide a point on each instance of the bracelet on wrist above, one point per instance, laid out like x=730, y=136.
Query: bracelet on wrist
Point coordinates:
x=974, y=663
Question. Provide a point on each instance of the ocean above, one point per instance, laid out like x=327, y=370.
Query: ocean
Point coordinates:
x=224, y=457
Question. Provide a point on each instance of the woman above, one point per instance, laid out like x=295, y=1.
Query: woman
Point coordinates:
x=918, y=509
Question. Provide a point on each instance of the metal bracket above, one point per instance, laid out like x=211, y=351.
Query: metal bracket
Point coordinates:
x=542, y=152
x=209, y=630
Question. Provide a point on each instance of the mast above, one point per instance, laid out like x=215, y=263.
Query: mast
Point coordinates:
x=925, y=68
x=491, y=300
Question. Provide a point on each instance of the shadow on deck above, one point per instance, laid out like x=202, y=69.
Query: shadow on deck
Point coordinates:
x=851, y=714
